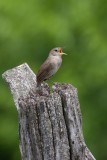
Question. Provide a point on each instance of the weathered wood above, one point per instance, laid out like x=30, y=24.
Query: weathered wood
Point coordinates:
x=50, y=124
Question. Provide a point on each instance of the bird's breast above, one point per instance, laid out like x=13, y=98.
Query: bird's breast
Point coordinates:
x=56, y=62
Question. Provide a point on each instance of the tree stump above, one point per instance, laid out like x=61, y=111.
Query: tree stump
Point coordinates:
x=50, y=124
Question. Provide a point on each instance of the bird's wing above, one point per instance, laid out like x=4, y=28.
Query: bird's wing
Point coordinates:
x=45, y=71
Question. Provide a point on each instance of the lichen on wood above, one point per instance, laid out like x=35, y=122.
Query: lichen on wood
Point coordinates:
x=50, y=124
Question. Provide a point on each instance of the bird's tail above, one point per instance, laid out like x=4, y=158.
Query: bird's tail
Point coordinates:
x=38, y=82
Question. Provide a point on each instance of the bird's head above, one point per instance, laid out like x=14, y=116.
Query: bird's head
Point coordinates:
x=57, y=52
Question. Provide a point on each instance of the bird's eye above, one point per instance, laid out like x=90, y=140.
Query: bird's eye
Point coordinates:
x=56, y=50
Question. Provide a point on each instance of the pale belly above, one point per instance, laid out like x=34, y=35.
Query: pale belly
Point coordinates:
x=56, y=65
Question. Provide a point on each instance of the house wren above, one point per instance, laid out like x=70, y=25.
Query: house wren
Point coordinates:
x=51, y=65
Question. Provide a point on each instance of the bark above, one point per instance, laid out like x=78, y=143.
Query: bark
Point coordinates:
x=50, y=124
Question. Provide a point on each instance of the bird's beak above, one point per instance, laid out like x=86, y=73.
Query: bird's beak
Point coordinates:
x=61, y=53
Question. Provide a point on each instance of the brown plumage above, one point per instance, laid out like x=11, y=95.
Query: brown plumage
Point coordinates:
x=50, y=66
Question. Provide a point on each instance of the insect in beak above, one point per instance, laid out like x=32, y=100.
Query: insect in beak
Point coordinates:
x=61, y=53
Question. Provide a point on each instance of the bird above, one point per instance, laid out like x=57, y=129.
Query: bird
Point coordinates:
x=51, y=65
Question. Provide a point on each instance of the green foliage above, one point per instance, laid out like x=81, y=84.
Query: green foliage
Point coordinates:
x=28, y=30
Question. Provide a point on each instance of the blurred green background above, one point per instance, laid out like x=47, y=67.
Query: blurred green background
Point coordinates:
x=28, y=31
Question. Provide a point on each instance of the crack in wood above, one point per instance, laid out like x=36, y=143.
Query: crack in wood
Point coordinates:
x=50, y=124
